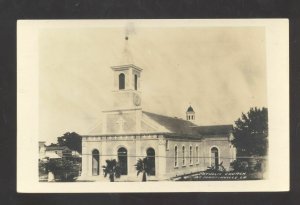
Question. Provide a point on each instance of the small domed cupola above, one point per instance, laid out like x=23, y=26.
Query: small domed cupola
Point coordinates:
x=190, y=114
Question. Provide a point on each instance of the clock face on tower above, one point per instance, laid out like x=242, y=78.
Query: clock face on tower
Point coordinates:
x=136, y=99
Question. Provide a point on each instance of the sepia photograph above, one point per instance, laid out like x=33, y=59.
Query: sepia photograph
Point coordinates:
x=155, y=101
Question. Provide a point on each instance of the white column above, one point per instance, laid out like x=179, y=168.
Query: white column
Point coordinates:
x=103, y=153
x=138, y=147
x=89, y=162
x=84, y=158
x=161, y=159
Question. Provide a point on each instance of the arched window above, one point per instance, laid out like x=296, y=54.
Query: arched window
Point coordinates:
x=215, y=157
x=176, y=157
x=151, y=161
x=197, y=154
x=167, y=144
x=191, y=155
x=135, y=82
x=183, y=155
x=121, y=81
x=122, y=159
x=95, y=162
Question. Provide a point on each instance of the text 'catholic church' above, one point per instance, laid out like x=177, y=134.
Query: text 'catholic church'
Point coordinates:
x=173, y=146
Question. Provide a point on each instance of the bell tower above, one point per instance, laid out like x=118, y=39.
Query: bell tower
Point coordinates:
x=190, y=114
x=126, y=90
x=126, y=112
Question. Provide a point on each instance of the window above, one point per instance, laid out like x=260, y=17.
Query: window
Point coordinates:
x=215, y=157
x=197, y=155
x=176, y=157
x=191, y=155
x=95, y=163
x=121, y=81
x=167, y=144
x=122, y=159
x=183, y=156
x=135, y=82
x=151, y=161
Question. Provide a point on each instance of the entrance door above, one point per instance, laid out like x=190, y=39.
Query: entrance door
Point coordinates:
x=215, y=157
x=151, y=161
x=95, y=162
x=122, y=159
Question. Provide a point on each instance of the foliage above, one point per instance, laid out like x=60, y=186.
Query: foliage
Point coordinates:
x=63, y=169
x=240, y=166
x=214, y=168
x=71, y=140
x=251, y=133
x=247, y=165
x=42, y=168
x=112, y=169
x=142, y=166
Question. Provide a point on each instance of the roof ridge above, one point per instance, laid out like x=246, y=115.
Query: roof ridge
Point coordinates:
x=177, y=118
x=222, y=125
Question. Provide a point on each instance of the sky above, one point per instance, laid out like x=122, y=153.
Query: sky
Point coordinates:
x=219, y=71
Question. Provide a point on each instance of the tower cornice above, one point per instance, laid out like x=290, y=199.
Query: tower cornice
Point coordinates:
x=125, y=67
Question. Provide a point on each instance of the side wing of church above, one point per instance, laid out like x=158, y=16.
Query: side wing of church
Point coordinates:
x=174, y=147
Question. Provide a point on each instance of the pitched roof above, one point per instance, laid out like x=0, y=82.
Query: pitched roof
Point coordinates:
x=52, y=155
x=48, y=148
x=190, y=109
x=187, y=128
x=213, y=129
x=175, y=125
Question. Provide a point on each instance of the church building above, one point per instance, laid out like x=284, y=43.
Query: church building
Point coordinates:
x=174, y=147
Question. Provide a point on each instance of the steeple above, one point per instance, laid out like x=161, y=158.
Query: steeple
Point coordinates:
x=190, y=114
x=126, y=55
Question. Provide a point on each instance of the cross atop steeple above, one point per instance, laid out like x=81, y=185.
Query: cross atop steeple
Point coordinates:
x=126, y=55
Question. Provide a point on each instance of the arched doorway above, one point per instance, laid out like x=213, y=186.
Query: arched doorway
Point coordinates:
x=215, y=157
x=151, y=161
x=95, y=162
x=122, y=159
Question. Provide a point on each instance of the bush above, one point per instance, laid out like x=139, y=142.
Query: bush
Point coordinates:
x=63, y=169
x=240, y=166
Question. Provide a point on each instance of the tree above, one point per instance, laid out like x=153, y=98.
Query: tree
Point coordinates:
x=112, y=169
x=142, y=166
x=71, y=140
x=63, y=169
x=251, y=133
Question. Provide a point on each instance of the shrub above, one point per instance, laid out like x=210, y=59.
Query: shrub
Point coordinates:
x=240, y=166
x=63, y=169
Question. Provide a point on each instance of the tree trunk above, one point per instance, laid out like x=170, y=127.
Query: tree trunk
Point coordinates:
x=111, y=177
x=144, y=177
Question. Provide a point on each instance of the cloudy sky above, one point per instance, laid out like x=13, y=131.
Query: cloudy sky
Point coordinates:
x=221, y=72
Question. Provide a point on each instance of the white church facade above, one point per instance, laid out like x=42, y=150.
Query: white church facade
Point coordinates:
x=174, y=146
